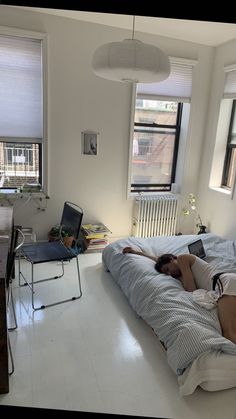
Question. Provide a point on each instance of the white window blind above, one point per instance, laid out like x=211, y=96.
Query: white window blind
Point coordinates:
x=21, y=94
x=177, y=87
x=230, y=82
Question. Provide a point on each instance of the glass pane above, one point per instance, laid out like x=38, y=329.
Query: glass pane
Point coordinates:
x=154, y=111
x=233, y=132
x=153, y=156
x=19, y=164
x=233, y=139
x=232, y=167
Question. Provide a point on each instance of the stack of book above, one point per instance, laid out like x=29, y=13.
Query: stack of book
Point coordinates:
x=95, y=236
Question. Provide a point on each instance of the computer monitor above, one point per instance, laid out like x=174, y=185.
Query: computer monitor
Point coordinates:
x=72, y=218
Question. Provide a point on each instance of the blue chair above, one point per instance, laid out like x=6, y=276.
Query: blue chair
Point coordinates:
x=42, y=252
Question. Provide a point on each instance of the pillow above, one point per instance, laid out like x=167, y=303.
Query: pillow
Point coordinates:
x=212, y=371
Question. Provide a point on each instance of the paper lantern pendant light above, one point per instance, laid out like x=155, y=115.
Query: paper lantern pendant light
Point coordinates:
x=131, y=61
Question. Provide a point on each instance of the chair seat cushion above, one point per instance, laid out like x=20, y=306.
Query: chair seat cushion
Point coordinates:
x=46, y=252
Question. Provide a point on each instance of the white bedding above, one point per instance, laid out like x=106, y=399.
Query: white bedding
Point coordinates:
x=213, y=371
x=196, y=350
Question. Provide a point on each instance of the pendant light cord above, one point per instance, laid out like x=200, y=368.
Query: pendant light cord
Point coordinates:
x=133, y=27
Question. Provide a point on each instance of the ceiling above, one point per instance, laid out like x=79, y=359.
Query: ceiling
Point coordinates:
x=201, y=32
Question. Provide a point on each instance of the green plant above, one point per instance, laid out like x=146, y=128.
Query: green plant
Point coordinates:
x=193, y=209
x=60, y=231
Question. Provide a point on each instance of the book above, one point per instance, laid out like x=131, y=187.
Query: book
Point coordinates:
x=96, y=228
x=97, y=241
x=97, y=247
x=95, y=231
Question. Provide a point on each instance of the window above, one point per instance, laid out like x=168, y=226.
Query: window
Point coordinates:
x=156, y=127
x=155, y=145
x=21, y=110
x=222, y=177
x=230, y=155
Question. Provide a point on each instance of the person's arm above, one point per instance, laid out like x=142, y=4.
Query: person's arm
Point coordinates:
x=136, y=252
x=185, y=262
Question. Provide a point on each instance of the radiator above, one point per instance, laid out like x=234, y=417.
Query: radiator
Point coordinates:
x=155, y=216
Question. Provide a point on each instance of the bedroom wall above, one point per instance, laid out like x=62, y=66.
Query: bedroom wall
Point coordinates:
x=78, y=100
x=217, y=208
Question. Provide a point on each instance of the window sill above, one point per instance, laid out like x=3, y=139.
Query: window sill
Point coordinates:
x=13, y=194
x=221, y=190
x=135, y=195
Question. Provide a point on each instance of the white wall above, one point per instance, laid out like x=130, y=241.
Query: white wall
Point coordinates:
x=217, y=209
x=78, y=100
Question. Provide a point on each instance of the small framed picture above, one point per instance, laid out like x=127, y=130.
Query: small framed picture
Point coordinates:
x=90, y=143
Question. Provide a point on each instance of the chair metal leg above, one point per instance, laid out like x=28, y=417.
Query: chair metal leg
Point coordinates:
x=77, y=264
x=57, y=302
x=10, y=299
x=40, y=280
x=11, y=357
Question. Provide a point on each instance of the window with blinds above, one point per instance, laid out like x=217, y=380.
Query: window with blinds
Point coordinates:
x=21, y=111
x=177, y=87
x=229, y=168
x=156, y=129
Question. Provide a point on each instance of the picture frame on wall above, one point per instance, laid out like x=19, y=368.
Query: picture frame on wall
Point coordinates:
x=90, y=143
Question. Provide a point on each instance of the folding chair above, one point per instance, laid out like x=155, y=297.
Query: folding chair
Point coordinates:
x=42, y=252
x=10, y=274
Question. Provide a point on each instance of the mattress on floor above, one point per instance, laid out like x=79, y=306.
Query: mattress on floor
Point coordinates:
x=191, y=333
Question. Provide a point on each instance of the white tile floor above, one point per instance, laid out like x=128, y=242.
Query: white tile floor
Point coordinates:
x=96, y=355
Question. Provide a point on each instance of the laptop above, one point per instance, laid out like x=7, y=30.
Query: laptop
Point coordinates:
x=196, y=248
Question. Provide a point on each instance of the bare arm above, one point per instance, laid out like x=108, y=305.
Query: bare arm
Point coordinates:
x=185, y=262
x=136, y=252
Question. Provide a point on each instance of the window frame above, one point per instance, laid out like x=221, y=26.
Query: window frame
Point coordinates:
x=160, y=188
x=42, y=142
x=228, y=151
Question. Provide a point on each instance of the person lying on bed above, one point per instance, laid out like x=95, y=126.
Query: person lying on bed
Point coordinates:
x=195, y=273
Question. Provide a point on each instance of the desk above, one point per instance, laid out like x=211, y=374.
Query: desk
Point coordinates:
x=6, y=227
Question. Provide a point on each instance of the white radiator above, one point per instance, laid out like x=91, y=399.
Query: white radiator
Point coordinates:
x=155, y=216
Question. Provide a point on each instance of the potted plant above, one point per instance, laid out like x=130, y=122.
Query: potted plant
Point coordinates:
x=61, y=232
x=193, y=208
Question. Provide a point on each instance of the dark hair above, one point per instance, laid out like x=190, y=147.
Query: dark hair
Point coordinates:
x=162, y=260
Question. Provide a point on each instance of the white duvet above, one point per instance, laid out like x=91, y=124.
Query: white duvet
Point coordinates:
x=190, y=332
